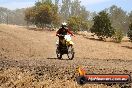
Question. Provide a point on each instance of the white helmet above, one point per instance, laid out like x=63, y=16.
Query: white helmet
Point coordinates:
x=64, y=24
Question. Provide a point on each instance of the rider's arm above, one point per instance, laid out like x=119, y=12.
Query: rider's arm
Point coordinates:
x=58, y=32
x=70, y=32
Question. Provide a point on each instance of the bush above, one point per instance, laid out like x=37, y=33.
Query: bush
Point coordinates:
x=118, y=36
x=129, y=34
x=42, y=14
x=78, y=24
x=74, y=23
x=102, y=26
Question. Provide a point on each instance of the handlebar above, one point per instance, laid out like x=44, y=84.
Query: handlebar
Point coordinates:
x=60, y=35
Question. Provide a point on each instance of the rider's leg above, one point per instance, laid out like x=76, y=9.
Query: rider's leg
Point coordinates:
x=63, y=41
x=60, y=43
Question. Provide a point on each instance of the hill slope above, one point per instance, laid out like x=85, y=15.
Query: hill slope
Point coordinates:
x=27, y=58
x=28, y=43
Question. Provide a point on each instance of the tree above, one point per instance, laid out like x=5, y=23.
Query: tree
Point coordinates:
x=75, y=8
x=12, y=16
x=78, y=24
x=65, y=9
x=118, y=36
x=76, y=15
x=74, y=22
x=71, y=8
x=42, y=13
x=102, y=26
x=46, y=1
x=84, y=13
x=119, y=18
x=56, y=2
x=30, y=15
x=130, y=17
x=129, y=34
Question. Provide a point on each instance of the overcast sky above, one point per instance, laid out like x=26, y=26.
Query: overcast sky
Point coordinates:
x=91, y=5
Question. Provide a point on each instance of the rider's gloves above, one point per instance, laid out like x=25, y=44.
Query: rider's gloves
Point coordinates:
x=57, y=34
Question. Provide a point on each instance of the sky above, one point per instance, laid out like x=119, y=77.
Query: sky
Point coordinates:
x=91, y=5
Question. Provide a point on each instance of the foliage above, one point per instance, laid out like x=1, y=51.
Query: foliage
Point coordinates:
x=12, y=16
x=29, y=15
x=42, y=13
x=119, y=18
x=73, y=8
x=65, y=9
x=85, y=25
x=118, y=36
x=78, y=24
x=129, y=34
x=102, y=26
x=50, y=12
x=129, y=18
x=74, y=23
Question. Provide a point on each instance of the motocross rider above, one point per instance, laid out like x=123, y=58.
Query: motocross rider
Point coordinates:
x=64, y=30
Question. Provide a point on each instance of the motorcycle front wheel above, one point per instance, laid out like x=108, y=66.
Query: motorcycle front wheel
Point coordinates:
x=70, y=52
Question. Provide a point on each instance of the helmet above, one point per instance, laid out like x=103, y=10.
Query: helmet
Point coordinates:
x=64, y=25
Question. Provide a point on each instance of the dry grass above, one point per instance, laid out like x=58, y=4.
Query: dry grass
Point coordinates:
x=18, y=43
x=91, y=47
x=17, y=78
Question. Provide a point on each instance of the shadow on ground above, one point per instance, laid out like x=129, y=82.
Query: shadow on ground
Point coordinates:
x=128, y=47
x=52, y=58
x=58, y=59
x=93, y=39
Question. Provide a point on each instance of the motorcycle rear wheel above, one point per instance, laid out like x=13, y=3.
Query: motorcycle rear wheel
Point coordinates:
x=59, y=55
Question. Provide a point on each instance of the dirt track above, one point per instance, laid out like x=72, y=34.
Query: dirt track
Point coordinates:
x=32, y=54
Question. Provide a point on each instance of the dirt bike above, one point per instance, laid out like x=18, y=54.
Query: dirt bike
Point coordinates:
x=65, y=48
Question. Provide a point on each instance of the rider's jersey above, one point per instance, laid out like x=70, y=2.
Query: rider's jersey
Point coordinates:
x=64, y=31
